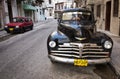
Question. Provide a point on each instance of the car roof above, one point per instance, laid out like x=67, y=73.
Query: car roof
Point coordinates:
x=21, y=17
x=76, y=9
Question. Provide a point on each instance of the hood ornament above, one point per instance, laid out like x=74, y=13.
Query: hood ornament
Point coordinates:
x=78, y=38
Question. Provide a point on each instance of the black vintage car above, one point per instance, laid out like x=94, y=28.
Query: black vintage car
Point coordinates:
x=76, y=40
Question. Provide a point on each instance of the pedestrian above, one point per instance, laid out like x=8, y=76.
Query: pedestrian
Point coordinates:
x=45, y=18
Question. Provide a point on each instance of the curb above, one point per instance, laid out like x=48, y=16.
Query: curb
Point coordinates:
x=4, y=35
x=114, y=69
x=1, y=29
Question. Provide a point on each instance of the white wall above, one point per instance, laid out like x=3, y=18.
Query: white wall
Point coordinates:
x=37, y=14
x=20, y=9
x=49, y=6
x=14, y=8
x=6, y=12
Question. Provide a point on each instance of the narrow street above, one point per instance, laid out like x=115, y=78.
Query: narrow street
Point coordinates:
x=24, y=56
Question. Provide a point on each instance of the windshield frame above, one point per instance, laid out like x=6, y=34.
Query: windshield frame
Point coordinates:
x=18, y=20
x=67, y=17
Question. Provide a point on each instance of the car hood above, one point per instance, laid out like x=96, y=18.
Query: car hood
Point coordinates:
x=14, y=24
x=77, y=32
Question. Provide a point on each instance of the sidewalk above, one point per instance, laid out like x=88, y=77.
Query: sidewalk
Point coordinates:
x=3, y=33
x=115, y=61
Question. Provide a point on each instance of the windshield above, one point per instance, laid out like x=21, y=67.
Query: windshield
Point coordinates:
x=18, y=20
x=79, y=17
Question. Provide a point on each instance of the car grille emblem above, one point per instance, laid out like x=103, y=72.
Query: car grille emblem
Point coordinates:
x=80, y=48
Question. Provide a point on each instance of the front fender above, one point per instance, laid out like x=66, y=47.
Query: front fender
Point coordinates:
x=59, y=37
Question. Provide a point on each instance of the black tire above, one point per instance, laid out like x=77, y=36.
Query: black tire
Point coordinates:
x=8, y=31
x=31, y=27
x=22, y=30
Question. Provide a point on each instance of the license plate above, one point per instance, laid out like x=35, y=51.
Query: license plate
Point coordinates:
x=11, y=29
x=80, y=62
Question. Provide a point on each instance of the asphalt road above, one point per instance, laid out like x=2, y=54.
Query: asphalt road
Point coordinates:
x=24, y=56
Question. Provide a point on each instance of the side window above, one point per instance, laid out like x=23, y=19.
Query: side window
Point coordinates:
x=23, y=20
x=26, y=20
x=30, y=19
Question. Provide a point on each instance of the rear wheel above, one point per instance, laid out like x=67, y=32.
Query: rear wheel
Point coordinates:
x=31, y=27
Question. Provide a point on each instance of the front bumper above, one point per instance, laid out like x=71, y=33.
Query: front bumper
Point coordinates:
x=71, y=61
x=13, y=29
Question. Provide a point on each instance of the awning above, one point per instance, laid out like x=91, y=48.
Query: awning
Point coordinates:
x=28, y=7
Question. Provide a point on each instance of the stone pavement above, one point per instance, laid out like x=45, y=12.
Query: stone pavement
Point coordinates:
x=115, y=61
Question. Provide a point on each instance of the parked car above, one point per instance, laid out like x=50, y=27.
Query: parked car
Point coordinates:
x=19, y=24
x=76, y=40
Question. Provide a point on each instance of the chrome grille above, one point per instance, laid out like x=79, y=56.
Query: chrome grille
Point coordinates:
x=80, y=50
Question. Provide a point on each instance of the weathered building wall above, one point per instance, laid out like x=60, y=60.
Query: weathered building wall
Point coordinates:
x=115, y=23
x=104, y=14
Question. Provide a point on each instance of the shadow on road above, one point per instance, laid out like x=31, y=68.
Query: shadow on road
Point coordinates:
x=105, y=71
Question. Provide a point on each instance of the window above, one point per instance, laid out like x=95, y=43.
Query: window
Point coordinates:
x=49, y=1
x=98, y=10
x=50, y=12
x=40, y=12
x=115, y=8
x=37, y=10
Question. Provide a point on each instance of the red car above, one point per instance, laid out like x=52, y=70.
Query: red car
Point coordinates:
x=19, y=24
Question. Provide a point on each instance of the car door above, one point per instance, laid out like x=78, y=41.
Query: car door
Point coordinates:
x=26, y=22
x=30, y=22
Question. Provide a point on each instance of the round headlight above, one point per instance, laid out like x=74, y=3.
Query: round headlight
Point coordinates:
x=6, y=26
x=17, y=26
x=108, y=44
x=52, y=44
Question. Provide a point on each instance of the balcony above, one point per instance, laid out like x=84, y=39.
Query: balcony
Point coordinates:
x=28, y=7
x=91, y=2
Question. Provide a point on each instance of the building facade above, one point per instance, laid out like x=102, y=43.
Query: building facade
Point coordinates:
x=61, y=5
x=2, y=14
x=8, y=9
x=49, y=8
x=13, y=8
x=107, y=14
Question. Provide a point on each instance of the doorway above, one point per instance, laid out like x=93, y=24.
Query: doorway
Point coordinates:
x=10, y=10
x=108, y=16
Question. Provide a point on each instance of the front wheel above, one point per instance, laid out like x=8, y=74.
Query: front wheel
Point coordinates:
x=31, y=27
x=8, y=31
x=22, y=30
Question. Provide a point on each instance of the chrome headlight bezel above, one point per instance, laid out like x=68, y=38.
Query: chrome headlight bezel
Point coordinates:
x=108, y=44
x=52, y=44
